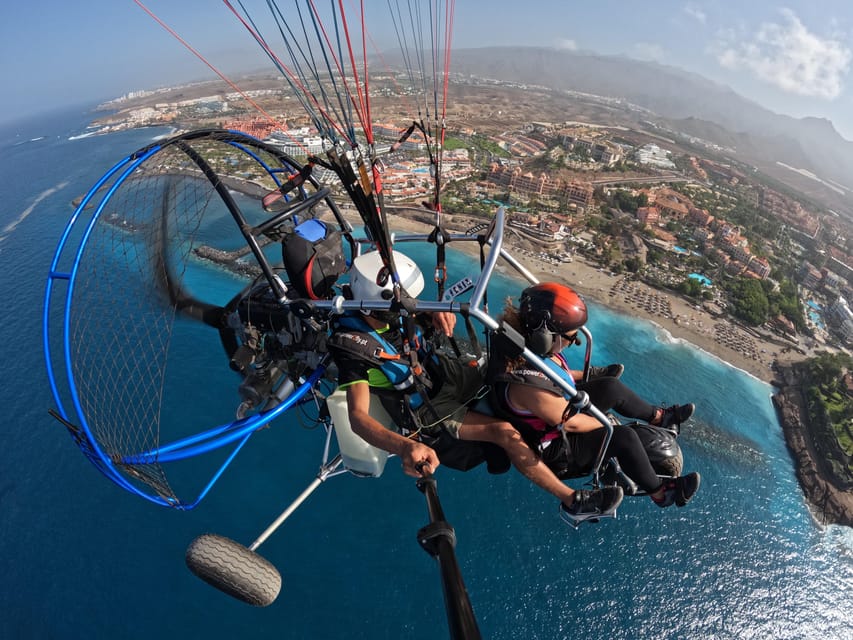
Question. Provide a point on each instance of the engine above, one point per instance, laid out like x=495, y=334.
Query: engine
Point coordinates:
x=275, y=346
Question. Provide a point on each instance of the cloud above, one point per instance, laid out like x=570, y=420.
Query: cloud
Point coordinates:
x=788, y=56
x=648, y=51
x=695, y=12
x=565, y=44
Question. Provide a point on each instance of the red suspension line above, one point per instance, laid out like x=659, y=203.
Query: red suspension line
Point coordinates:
x=364, y=61
x=227, y=80
x=407, y=106
x=290, y=74
x=450, y=8
x=360, y=107
x=331, y=49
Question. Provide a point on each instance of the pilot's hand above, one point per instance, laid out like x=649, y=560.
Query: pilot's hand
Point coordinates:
x=416, y=456
x=444, y=322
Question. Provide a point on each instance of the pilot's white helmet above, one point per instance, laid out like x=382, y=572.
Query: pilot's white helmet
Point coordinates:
x=365, y=270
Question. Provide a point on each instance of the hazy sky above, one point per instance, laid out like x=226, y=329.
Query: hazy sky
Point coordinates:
x=792, y=57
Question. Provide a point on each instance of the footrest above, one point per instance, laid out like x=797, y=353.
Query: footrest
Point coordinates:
x=592, y=505
x=575, y=521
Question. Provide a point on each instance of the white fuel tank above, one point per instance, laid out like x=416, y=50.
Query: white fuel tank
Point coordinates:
x=359, y=457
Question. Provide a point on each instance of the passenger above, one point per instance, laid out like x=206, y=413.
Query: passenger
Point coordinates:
x=549, y=316
x=427, y=393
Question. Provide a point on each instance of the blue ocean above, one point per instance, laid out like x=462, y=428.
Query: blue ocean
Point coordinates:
x=83, y=559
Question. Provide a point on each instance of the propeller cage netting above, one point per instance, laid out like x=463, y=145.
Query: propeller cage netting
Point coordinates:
x=138, y=375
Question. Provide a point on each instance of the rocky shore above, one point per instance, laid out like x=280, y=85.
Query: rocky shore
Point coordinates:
x=829, y=502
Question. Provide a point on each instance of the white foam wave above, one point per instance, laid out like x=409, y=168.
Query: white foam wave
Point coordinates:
x=88, y=134
x=20, y=142
x=163, y=136
x=840, y=536
x=665, y=337
x=9, y=228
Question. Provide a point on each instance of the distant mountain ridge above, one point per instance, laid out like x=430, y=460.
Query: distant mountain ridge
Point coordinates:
x=694, y=102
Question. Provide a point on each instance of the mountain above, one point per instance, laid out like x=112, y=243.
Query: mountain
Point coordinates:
x=689, y=103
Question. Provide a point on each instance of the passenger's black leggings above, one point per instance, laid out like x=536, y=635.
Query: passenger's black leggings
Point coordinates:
x=625, y=446
x=608, y=393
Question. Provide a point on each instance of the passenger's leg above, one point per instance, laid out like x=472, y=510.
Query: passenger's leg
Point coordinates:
x=477, y=426
x=626, y=446
x=611, y=393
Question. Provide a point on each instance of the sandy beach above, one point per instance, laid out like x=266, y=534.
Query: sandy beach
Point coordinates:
x=668, y=310
x=676, y=315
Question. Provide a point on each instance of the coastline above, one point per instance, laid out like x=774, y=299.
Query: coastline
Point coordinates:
x=719, y=337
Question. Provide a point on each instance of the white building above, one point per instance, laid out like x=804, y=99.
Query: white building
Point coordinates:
x=841, y=317
x=655, y=156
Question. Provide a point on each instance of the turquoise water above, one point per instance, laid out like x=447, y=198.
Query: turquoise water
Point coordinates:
x=815, y=317
x=83, y=559
x=704, y=280
x=680, y=249
x=815, y=311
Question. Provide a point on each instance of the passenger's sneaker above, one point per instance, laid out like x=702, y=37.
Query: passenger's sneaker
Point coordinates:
x=678, y=491
x=611, y=370
x=592, y=505
x=676, y=414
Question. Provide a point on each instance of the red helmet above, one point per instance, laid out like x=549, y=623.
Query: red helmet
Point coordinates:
x=552, y=306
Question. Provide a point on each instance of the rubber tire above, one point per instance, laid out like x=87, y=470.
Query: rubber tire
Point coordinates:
x=234, y=569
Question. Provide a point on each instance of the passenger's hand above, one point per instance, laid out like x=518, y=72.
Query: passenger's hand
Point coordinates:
x=416, y=456
x=444, y=322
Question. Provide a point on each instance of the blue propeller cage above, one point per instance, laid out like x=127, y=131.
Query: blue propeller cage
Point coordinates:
x=59, y=360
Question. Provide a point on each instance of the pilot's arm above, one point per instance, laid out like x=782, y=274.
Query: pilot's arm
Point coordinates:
x=412, y=453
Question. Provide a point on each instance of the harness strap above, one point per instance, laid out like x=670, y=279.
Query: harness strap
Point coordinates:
x=527, y=375
x=440, y=238
x=420, y=378
x=404, y=371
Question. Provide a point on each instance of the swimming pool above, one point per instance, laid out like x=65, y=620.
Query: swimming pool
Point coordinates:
x=815, y=317
x=680, y=250
x=705, y=280
x=814, y=305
